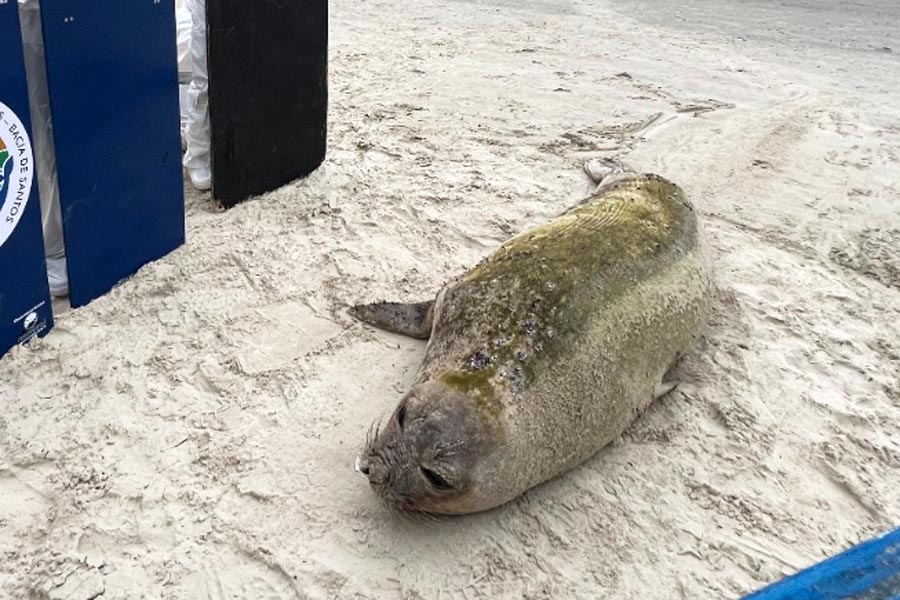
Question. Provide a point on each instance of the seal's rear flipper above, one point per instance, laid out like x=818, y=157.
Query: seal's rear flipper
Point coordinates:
x=410, y=319
x=599, y=169
x=664, y=388
x=669, y=382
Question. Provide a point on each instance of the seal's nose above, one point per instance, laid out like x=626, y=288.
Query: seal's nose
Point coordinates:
x=362, y=466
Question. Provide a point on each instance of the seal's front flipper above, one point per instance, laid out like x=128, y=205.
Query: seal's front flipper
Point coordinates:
x=410, y=319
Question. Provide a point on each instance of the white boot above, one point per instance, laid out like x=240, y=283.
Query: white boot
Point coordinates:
x=201, y=178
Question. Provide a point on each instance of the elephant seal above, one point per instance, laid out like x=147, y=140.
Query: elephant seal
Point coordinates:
x=544, y=352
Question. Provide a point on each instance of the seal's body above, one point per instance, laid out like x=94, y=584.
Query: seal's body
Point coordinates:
x=544, y=352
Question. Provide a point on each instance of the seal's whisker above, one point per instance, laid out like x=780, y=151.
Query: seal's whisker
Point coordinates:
x=396, y=504
x=372, y=434
x=426, y=517
x=449, y=449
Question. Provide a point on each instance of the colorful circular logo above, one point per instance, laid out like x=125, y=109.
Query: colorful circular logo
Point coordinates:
x=16, y=171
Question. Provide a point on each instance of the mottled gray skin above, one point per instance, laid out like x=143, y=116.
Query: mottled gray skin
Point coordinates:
x=546, y=351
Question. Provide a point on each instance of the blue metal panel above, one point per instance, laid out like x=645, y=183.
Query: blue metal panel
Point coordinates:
x=870, y=571
x=25, y=309
x=113, y=78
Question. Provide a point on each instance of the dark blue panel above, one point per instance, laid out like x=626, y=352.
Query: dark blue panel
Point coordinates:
x=25, y=309
x=113, y=79
x=870, y=571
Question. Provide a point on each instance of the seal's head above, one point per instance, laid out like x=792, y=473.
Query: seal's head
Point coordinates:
x=430, y=457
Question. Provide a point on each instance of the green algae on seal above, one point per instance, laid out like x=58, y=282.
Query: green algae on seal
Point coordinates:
x=544, y=352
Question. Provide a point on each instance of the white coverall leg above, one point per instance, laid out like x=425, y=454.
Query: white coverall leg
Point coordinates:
x=183, y=30
x=197, y=157
x=44, y=150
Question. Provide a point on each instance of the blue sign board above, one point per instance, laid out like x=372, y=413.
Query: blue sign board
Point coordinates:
x=25, y=309
x=112, y=70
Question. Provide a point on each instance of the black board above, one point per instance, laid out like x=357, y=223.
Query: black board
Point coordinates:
x=268, y=93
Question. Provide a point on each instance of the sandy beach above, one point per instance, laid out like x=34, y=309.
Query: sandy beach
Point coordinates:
x=192, y=435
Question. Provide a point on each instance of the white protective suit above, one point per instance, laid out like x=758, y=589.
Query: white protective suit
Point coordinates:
x=44, y=150
x=197, y=135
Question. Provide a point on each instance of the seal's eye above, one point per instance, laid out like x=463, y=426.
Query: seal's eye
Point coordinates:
x=438, y=482
x=401, y=415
